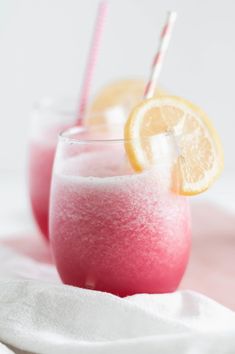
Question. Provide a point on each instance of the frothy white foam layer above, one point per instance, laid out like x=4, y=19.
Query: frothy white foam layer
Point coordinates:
x=110, y=166
x=101, y=163
x=47, y=136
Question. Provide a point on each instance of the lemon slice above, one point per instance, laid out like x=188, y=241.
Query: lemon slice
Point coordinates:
x=125, y=93
x=201, y=154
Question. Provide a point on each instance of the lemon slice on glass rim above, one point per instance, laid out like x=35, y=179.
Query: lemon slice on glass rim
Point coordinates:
x=201, y=154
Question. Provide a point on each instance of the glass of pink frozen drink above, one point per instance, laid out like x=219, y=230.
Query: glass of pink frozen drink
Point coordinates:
x=49, y=118
x=112, y=229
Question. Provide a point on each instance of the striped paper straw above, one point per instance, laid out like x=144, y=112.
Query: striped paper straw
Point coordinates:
x=92, y=59
x=159, y=58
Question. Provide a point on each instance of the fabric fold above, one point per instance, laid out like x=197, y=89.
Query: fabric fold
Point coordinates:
x=42, y=317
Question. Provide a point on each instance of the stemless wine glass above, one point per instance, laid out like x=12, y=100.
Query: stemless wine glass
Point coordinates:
x=49, y=117
x=112, y=229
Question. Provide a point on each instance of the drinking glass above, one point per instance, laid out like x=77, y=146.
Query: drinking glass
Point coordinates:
x=49, y=117
x=112, y=229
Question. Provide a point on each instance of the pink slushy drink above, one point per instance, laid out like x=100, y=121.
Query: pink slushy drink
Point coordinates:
x=40, y=169
x=49, y=119
x=112, y=229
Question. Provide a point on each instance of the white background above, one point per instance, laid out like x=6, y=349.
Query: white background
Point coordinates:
x=44, y=43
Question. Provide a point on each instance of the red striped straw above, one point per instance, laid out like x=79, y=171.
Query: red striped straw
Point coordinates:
x=92, y=59
x=159, y=58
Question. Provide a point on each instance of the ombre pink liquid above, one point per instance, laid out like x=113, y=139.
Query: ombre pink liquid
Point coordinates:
x=40, y=166
x=114, y=230
x=41, y=157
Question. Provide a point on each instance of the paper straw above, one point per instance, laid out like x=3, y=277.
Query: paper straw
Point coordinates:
x=159, y=58
x=92, y=59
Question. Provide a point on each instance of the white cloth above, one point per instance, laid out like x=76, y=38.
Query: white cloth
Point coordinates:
x=47, y=317
x=5, y=350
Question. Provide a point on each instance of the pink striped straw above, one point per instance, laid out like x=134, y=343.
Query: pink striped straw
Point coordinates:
x=159, y=58
x=92, y=59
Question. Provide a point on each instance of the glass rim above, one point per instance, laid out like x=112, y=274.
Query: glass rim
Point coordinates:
x=67, y=135
x=66, y=106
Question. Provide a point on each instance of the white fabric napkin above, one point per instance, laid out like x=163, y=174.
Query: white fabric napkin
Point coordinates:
x=47, y=317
